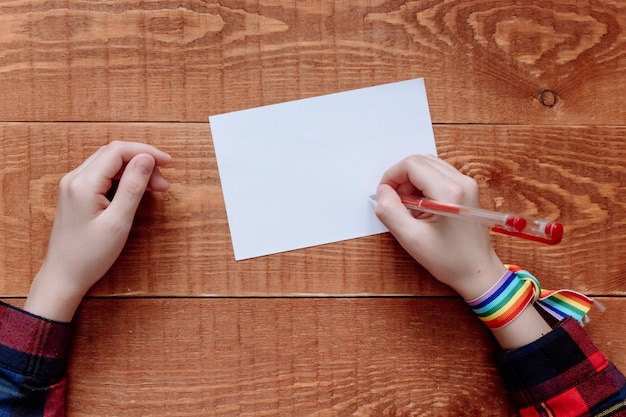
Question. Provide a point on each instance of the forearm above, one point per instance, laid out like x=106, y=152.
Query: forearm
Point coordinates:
x=538, y=362
x=558, y=369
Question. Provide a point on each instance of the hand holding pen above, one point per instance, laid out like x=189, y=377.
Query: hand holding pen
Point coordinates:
x=529, y=228
x=452, y=241
x=455, y=251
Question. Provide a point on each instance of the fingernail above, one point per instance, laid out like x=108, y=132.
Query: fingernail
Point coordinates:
x=144, y=164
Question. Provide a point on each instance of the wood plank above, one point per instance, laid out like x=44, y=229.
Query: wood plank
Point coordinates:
x=483, y=62
x=302, y=357
x=574, y=175
x=180, y=245
x=178, y=327
x=296, y=357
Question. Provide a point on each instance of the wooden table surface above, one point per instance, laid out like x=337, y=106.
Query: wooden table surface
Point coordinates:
x=529, y=98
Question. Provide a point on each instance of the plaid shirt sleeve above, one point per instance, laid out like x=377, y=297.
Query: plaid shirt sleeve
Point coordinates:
x=32, y=364
x=563, y=374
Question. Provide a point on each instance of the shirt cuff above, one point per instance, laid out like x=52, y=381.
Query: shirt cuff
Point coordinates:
x=31, y=345
x=552, y=365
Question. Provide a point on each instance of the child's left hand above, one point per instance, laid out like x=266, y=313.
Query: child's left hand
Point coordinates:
x=90, y=231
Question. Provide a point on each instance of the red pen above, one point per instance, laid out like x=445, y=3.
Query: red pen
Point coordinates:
x=509, y=224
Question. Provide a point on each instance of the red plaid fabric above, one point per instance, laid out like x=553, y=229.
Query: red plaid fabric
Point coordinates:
x=32, y=364
x=563, y=374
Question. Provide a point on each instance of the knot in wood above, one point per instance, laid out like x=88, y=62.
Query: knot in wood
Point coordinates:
x=548, y=98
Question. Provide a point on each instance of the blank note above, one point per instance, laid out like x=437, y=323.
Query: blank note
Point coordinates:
x=299, y=174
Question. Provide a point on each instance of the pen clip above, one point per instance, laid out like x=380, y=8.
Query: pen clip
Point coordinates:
x=550, y=233
x=519, y=226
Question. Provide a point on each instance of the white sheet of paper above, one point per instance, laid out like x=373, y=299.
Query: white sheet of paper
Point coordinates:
x=299, y=174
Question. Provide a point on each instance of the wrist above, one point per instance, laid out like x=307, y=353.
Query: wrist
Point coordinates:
x=52, y=298
x=528, y=327
x=506, y=307
x=478, y=281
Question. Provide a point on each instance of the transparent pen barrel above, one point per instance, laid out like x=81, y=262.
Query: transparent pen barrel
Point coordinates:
x=487, y=217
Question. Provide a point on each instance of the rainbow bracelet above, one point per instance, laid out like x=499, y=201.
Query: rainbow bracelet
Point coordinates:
x=516, y=290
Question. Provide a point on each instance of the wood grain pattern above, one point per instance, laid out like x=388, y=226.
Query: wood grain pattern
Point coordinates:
x=281, y=357
x=526, y=97
x=158, y=60
x=293, y=357
x=184, y=232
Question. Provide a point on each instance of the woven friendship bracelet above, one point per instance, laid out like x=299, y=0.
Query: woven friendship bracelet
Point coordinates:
x=516, y=290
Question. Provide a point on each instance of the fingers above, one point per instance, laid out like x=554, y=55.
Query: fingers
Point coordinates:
x=113, y=156
x=157, y=181
x=431, y=177
x=103, y=166
x=109, y=162
x=416, y=172
x=133, y=183
x=442, y=165
x=391, y=212
x=135, y=165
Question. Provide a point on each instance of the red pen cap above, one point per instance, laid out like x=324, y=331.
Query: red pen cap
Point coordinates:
x=551, y=234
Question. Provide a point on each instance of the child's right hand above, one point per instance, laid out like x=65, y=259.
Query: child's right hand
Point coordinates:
x=456, y=252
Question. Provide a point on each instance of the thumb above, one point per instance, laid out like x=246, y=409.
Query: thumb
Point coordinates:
x=132, y=186
x=391, y=212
